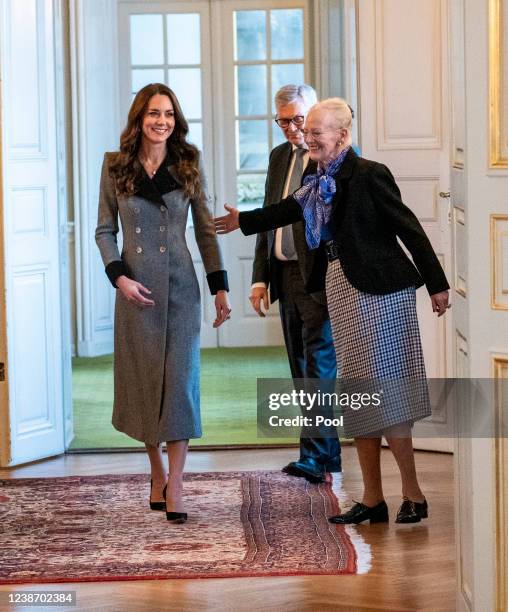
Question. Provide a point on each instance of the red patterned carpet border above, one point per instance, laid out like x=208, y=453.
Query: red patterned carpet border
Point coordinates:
x=99, y=528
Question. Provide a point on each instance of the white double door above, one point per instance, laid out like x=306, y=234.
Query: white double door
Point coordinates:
x=224, y=62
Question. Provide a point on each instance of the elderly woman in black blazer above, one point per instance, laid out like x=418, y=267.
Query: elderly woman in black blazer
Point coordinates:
x=353, y=216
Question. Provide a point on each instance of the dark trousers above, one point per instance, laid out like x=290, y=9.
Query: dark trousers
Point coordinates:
x=309, y=344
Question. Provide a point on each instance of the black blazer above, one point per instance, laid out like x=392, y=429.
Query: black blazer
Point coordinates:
x=367, y=217
x=266, y=266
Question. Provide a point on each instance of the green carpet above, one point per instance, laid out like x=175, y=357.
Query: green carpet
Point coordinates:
x=228, y=397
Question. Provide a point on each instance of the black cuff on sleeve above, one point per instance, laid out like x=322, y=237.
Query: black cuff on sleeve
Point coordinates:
x=438, y=286
x=217, y=281
x=243, y=222
x=114, y=270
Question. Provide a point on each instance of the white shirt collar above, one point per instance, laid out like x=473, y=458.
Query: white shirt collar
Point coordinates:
x=294, y=147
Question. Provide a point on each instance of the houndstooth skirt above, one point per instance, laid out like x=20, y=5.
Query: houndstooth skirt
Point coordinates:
x=377, y=340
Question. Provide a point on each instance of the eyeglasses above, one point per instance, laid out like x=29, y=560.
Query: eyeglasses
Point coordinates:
x=315, y=133
x=298, y=120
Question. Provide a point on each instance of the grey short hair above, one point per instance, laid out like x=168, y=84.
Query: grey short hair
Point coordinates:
x=293, y=93
x=341, y=113
x=339, y=109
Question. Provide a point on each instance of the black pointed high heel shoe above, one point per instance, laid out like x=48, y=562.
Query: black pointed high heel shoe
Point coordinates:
x=175, y=517
x=360, y=512
x=158, y=505
x=412, y=512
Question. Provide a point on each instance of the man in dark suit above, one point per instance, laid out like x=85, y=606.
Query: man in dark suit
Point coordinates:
x=283, y=265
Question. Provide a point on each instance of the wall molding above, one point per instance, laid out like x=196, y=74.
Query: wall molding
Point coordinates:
x=461, y=355
x=431, y=139
x=498, y=57
x=405, y=182
x=500, y=372
x=457, y=82
x=19, y=145
x=459, y=232
x=498, y=236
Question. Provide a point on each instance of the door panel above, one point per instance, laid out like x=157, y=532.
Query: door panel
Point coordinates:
x=32, y=232
x=403, y=124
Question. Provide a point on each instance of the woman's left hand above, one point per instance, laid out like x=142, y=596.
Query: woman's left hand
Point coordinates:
x=440, y=302
x=222, y=308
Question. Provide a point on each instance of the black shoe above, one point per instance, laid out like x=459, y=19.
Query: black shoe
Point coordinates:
x=309, y=469
x=360, y=512
x=412, y=512
x=334, y=466
x=158, y=505
x=176, y=517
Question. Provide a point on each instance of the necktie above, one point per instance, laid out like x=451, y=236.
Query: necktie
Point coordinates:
x=287, y=242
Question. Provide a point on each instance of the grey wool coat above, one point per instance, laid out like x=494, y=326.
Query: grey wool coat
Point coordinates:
x=156, y=360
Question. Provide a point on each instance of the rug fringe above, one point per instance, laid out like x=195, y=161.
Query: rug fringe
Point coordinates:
x=340, y=492
x=363, y=550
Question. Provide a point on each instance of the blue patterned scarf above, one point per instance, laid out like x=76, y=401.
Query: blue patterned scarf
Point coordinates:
x=315, y=198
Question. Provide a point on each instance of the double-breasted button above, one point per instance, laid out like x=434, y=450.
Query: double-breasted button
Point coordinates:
x=138, y=230
x=163, y=208
x=162, y=249
x=139, y=250
x=162, y=228
x=136, y=210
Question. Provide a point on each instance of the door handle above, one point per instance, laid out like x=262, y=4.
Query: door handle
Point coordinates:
x=446, y=195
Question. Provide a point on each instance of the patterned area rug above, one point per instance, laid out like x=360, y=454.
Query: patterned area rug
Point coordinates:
x=97, y=528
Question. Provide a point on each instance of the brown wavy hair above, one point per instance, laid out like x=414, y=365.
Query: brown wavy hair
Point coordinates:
x=127, y=169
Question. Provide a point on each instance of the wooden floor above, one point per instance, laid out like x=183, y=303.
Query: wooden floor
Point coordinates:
x=413, y=565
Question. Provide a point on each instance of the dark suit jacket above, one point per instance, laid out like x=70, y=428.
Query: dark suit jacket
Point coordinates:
x=367, y=217
x=265, y=267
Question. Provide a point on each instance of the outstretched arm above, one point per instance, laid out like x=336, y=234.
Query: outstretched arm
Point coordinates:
x=260, y=219
x=228, y=223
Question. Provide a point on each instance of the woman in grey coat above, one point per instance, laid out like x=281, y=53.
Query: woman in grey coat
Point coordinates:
x=150, y=185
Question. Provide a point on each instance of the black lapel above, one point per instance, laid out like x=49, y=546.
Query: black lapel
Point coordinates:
x=171, y=168
x=310, y=169
x=165, y=179
x=146, y=189
x=278, y=173
x=344, y=175
x=163, y=182
x=299, y=227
